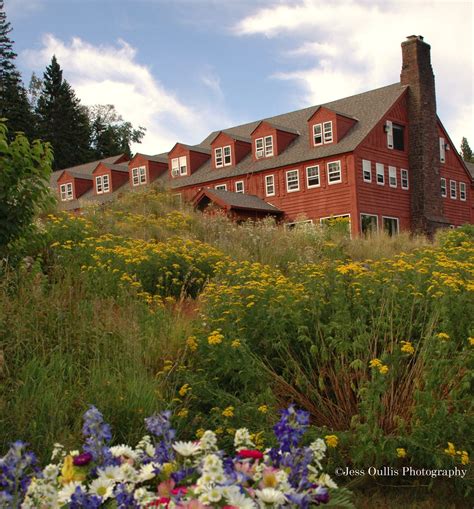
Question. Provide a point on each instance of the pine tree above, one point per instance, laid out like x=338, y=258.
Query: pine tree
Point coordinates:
x=63, y=121
x=14, y=105
x=466, y=151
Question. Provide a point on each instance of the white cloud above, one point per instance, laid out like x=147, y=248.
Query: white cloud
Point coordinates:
x=212, y=81
x=344, y=47
x=111, y=75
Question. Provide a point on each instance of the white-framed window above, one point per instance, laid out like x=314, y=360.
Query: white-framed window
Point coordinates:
x=264, y=147
x=389, y=131
x=299, y=224
x=369, y=223
x=317, y=134
x=444, y=188
x=453, y=191
x=223, y=156
x=292, y=181
x=139, y=176
x=442, y=150
x=404, y=178
x=312, y=177
x=102, y=184
x=379, y=170
x=334, y=172
x=329, y=220
x=366, y=170
x=392, y=176
x=66, y=192
x=391, y=225
x=221, y=187
x=239, y=187
x=462, y=191
x=327, y=132
x=270, y=185
x=179, y=166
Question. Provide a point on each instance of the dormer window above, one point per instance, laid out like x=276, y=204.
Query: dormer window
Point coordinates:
x=139, y=176
x=327, y=129
x=102, y=184
x=66, y=192
x=264, y=147
x=322, y=133
x=223, y=156
x=179, y=166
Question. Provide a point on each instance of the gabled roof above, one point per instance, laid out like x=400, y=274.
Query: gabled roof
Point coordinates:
x=77, y=175
x=470, y=167
x=117, y=167
x=194, y=148
x=232, y=200
x=158, y=158
x=83, y=169
x=334, y=111
x=368, y=108
x=277, y=127
x=233, y=136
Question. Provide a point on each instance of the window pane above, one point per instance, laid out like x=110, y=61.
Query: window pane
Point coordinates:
x=390, y=225
x=398, y=142
x=317, y=134
x=368, y=223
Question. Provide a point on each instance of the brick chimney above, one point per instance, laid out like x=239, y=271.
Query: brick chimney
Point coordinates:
x=423, y=142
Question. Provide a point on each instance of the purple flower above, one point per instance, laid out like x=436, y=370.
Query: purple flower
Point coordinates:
x=81, y=500
x=321, y=495
x=82, y=460
x=98, y=435
x=291, y=427
x=160, y=426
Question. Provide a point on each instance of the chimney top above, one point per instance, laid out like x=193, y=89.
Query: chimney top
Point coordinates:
x=414, y=37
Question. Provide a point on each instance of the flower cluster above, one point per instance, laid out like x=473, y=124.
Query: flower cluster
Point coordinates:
x=163, y=473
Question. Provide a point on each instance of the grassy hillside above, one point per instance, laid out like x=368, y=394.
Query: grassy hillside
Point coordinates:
x=143, y=306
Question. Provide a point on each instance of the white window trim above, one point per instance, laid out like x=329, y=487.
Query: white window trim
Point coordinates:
x=370, y=215
x=264, y=147
x=340, y=172
x=321, y=219
x=101, y=180
x=308, y=186
x=230, y=155
x=389, y=129
x=330, y=140
x=444, y=189
x=314, y=135
x=442, y=150
x=243, y=186
x=366, y=169
x=453, y=188
x=390, y=217
x=296, y=223
x=175, y=167
x=462, y=190
x=377, y=173
x=221, y=157
x=270, y=154
x=221, y=187
x=272, y=177
x=298, y=180
x=403, y=171
x=66, y=190
x=181, y=165
x=392, y=173
x=139, y=173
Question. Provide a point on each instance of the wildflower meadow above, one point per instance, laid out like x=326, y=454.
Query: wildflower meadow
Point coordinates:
x=136, y=337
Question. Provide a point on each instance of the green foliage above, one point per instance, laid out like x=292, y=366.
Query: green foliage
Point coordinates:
x=24, y=184
x=466, y=151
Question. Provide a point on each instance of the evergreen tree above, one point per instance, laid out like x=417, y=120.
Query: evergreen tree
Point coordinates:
x=63, y=121
x=14, y=105
x=110, y=133
x=466, y=151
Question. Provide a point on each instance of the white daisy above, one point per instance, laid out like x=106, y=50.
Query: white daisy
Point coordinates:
x=65, y=493
x=241, y=501
x=112, y=473
x=102, y=488
x=270, y=496
x=186, y=448
x=326, y=480
x=123, y=450
x=147, y=472
x=208, y=441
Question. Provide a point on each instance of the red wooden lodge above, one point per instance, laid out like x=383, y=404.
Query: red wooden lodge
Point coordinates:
x=381, y=158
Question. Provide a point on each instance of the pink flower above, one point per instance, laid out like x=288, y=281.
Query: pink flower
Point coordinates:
x=165, y=488
x=250, y=453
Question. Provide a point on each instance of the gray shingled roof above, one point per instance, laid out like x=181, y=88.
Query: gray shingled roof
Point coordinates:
x=86, y=168
x=117, y=167
x=158, y=158
x=368, y=108
x=470, y=167
x=77, y=175
x=280, y=127
x=242, y=201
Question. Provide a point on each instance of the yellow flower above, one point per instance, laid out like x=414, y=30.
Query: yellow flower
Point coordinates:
x=383, y=370
x=200, y=432
x=183, y=413
x=192, y=343
x=442, y=336
x=68, y=472
x=407, y=347
x=451, y=450
x=331, y=440
x=228, y=412
x=471, y=341
x=375, y=363
x=184, y=389
x=236, y=343
x=464, y=458
x=401, y=452
x=263, y=409
x=215, y=338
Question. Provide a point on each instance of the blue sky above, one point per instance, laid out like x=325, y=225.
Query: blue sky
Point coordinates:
x=182, y=68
